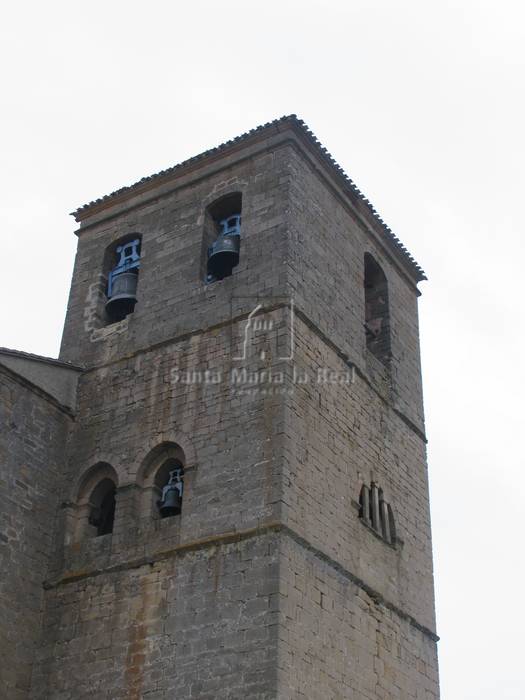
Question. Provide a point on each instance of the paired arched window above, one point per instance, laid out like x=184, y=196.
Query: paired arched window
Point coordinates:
x=376, y=513
x=377, y=312
x=161, y=492
x=220, y=255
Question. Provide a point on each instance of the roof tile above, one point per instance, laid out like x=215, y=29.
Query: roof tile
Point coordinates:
x=348, y=184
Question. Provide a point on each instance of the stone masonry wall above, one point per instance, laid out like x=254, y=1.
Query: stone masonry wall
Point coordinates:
x=232, y=442
x=173, y=298
x=126, y=410
x=340, y=436
x=336, y=641
x=327, y=245
x=32, y=448
x=200, y=623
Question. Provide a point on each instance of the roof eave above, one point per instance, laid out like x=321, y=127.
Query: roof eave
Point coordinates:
x=360, y=203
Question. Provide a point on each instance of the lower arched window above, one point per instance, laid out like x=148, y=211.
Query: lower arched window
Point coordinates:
x=92, y=511
x=102, y=507
x=170, y=482
x=162, y=481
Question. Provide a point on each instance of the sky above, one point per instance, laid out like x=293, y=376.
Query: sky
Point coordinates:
x=423, y=105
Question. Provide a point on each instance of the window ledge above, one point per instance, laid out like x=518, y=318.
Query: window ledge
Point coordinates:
x=398, y=544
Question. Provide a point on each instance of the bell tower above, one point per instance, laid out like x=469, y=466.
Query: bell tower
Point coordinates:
x=244, y=503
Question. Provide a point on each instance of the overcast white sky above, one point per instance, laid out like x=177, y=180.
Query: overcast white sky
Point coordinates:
x=423, y=105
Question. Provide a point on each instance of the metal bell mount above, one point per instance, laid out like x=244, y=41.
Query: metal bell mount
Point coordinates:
x=170, y=502
x=122, y=281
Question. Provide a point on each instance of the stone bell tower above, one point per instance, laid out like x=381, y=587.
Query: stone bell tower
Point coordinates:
x=243, y=504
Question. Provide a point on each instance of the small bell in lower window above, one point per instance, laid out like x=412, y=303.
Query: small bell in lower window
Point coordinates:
x=170, y=502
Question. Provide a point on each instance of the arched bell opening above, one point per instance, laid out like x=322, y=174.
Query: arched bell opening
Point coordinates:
x=162, y=481
x=377, y=311
x=92, y=511
x=169, y=481
x=122, y=268
x=222, y=236
x=102, y=504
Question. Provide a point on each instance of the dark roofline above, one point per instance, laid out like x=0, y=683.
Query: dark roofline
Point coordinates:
x=362, y=204
x=39, y=358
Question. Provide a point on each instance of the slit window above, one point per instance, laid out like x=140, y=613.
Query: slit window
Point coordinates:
x=376, y=513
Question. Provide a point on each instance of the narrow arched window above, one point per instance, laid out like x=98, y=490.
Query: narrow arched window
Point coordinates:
x=222, y=236
x=377, y=312
x=123, y=274
x=102, y=507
